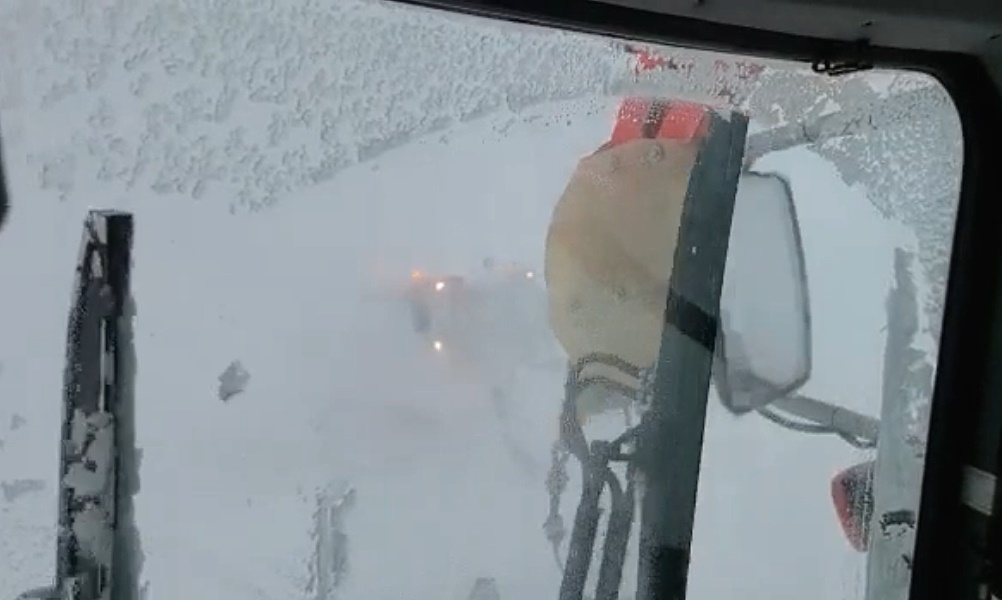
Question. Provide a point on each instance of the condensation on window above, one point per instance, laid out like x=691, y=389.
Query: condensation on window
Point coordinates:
x=354, y=316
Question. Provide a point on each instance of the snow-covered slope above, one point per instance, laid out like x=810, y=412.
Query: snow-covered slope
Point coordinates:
x=341, y=389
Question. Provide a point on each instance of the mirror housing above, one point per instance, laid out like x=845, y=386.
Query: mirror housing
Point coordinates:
x=763, y=349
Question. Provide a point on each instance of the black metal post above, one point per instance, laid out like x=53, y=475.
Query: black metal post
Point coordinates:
x=670, y=447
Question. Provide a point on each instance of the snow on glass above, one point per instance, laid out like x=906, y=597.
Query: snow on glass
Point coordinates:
x=290, y=165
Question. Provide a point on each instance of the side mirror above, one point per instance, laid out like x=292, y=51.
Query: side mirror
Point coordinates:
x=763, y=350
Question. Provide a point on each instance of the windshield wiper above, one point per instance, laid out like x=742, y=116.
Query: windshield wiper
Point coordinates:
x=97, y=552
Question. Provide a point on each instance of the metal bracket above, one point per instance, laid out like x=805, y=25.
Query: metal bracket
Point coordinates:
x=978, y=490
x=855, y=60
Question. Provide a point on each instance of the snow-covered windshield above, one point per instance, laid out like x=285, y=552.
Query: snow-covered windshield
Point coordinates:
x=359, y=280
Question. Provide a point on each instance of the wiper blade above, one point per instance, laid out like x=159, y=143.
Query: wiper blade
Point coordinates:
x=97, y=551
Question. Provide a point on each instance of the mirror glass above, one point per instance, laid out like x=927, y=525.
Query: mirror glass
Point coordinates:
x=764, y=347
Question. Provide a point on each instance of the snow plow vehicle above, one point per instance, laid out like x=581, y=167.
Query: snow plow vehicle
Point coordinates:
x=672, y=264
x=430, y=296
x=485, y=325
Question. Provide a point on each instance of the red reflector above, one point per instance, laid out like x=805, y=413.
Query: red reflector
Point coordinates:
x=852, y=494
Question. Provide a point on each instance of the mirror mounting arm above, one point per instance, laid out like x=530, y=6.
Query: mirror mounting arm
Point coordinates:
x=834, y=418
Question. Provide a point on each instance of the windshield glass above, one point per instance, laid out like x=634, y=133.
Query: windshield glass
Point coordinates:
x=377, y=250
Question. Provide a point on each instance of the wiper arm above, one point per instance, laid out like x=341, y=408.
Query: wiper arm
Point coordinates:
x=97, y=549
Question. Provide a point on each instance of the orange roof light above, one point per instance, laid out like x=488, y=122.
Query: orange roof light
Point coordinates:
x=643, y=117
